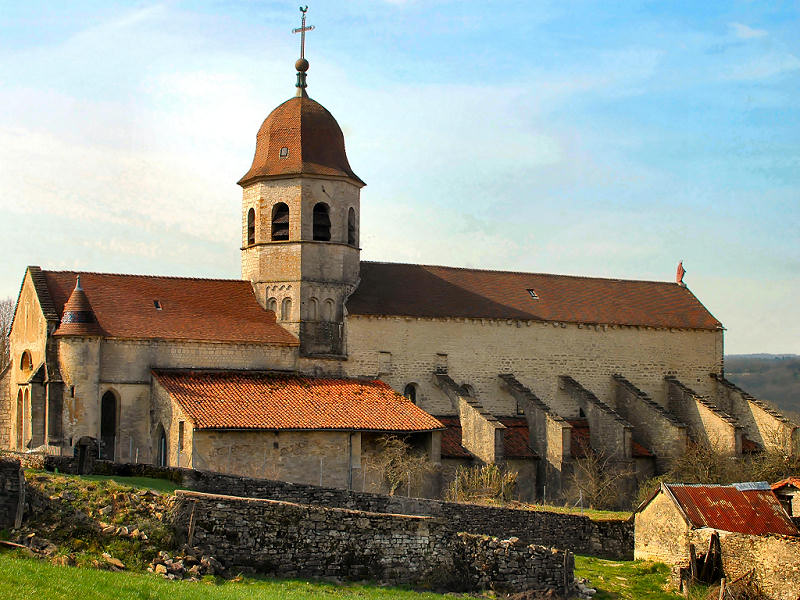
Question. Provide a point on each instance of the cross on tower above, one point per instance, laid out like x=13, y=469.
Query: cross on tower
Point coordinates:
x=302, y=31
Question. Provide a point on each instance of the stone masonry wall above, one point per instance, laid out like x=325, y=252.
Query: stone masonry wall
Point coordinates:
x=478, y=350
x=6, y=411
x=291, y=540
x=772, y=558
x=12, y=492
x=706, y=422
x=577, y=533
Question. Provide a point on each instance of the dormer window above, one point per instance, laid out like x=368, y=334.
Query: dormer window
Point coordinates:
x=533, y=294
x=157, y=304
x=284, y=152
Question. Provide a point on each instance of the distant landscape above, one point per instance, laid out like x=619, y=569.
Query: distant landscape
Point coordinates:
x=771, y=377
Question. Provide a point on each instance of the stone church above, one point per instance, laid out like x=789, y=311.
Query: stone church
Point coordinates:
x=298, y=370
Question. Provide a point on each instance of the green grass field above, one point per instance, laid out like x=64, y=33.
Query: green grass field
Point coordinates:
x=26, y=578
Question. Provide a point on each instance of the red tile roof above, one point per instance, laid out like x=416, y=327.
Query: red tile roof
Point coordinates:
x=451, y=439
x=744, y=508
x=259, y=400
x=749, y=446
x=639, y=451
x=78, y=317
x=224, y=310
x=516, y=438
x=793, y=481
x=431, y=291
x=579, y=438
x=312, y=138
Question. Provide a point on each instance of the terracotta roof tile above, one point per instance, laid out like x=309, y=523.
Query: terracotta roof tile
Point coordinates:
x=224, y=310
x=78, y=317
x=793, y=481
x=639, y=451
x=742, y=508
x=451, y=439
x=579, y=439
x=516, y=438
x=431, y=291
x=313, y=140
x=258, y=400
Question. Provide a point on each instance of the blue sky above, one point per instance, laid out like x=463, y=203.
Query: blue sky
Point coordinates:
x=590, y=138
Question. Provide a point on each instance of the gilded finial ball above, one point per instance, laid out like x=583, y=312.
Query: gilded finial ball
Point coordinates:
x=301, y=65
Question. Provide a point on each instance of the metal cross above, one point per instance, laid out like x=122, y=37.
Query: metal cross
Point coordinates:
x=302, y=31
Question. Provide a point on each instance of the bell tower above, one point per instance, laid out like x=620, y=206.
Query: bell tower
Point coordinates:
x=300, y=220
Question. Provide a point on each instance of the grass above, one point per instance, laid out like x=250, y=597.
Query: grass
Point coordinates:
x=596, y=515
x=629, y=580
x=148, y=483
x=25, y=578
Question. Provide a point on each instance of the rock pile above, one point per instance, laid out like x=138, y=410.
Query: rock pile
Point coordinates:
x=190, y=565
x=582, y=590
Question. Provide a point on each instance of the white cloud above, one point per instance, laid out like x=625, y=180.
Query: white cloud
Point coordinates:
x=746, y=33
x=762, y=67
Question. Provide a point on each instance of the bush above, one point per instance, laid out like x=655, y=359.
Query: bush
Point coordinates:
x=482, y=484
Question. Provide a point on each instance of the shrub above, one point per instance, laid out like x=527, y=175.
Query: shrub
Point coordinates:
x=482, y=484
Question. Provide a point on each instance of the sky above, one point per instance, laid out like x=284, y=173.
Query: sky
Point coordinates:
x=586, y=138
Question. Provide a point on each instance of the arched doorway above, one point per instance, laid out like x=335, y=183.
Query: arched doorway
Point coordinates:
x=26, y=419
x=20, y=420
x=161, y=450
x=108, y=426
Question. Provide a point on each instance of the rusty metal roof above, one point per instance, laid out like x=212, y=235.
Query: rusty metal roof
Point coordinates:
x=750, y=508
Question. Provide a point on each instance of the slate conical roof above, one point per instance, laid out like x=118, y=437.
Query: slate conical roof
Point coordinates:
x=78, y=317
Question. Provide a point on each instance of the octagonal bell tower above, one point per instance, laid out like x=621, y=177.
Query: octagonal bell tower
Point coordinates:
x=300, y=221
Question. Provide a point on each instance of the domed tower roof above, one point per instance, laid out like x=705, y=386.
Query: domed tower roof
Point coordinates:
x=300, y=137
x=78, y=317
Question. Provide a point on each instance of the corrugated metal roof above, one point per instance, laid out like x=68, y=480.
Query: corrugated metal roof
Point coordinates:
x=752, y=511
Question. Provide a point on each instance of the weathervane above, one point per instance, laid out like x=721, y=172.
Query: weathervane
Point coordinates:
x=302, y=64
x=302, y=31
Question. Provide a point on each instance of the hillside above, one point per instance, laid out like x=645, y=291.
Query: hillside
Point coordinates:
x=775, y=378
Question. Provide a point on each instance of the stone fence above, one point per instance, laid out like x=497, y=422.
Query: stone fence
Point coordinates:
x=12, y=493
x=294, y=540
x=576, y=533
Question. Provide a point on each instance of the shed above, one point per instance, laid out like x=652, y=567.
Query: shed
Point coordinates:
x=788, y=492
x=664, y=521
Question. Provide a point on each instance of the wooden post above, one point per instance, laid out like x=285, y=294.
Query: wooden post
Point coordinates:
x=722, y=589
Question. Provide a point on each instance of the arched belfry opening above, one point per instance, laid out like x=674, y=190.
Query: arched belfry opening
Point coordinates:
x=322, y=222
x=108, y=426
x=280, y=222
x=251, y=227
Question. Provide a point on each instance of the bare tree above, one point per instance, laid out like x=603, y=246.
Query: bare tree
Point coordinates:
x=6, y=315
x=599, y=477
x=400, y=463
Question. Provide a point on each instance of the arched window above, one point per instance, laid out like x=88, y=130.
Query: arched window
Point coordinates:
x=286, y=309
x=108, y=426
x=251, y=227
x=161, y=447
x=272, y=304
x=26, y=363
x=280, y=222
x=313, y=309
x=322, y=222
x=351, y=226
x=410, y=392
x=328, y=310
x=26, y=420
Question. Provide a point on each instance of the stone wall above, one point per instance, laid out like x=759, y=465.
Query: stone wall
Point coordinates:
x=577, y=533
x=294, y=540
x=661, y=532
x=12, y=493
x=772, y=558
x=6, y=409
x=537, y=353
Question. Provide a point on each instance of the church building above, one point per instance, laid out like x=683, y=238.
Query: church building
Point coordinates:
x=298, y=370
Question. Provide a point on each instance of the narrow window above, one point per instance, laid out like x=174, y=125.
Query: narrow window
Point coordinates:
x=284, y=152
x=157, y=304
x=286, y=309
x=251, y=227
x=108, y=426
x=272, y=304
x=181, y=425
x=322, y=223
x=351, y=226
x=533, y=294
x=26, y=363
x=280, y=222
x=411, y=392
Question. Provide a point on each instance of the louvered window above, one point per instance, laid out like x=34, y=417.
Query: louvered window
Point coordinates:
x=280, y=222
x=322, y=223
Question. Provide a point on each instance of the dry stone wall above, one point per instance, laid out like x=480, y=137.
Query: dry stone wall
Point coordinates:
x=12, y=492
x=577, y=533
x=294, y=540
